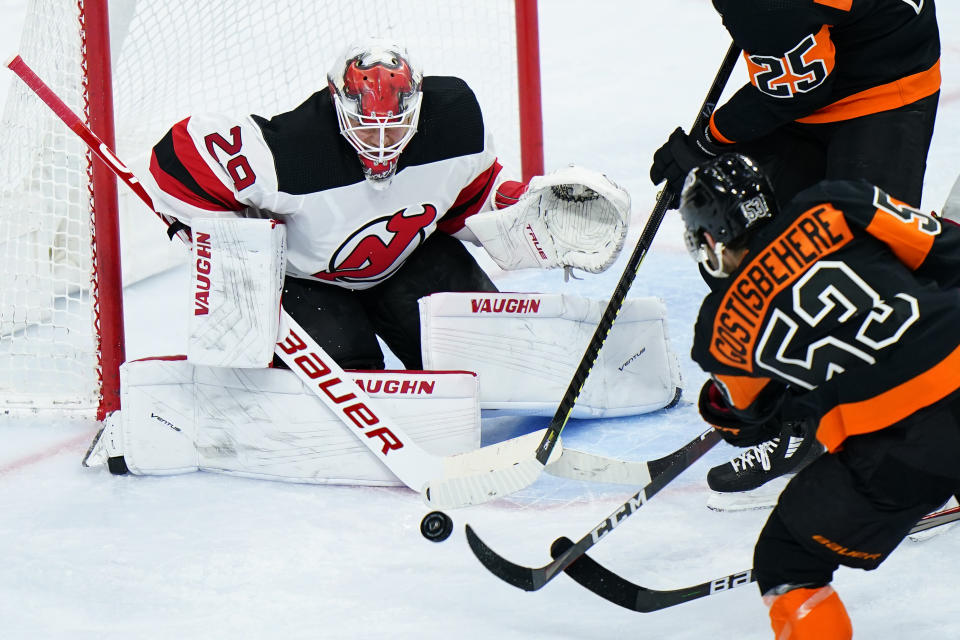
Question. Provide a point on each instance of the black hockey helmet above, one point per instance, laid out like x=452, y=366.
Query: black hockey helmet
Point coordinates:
x=726, y=197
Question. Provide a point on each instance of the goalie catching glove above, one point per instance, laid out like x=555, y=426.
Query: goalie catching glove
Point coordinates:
x=573, y=218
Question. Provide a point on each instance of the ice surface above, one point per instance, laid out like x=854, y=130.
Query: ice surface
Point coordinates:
x=88, y=555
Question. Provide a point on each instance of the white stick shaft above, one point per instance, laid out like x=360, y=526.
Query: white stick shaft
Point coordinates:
x=318, y=371
x=350, y=403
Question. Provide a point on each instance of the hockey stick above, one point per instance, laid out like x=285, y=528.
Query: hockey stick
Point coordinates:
x=532, y=578
x=461, y=480
x=464, y=479
x=573, y=390
x=589, y=467
x=551, y=436
x=592, y=575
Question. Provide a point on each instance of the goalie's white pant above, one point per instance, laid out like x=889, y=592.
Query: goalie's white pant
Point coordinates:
x=263, y=423
x=525, y=348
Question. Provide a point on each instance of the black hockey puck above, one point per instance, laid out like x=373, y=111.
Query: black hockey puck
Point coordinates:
x=559, y=546
x=436, y=526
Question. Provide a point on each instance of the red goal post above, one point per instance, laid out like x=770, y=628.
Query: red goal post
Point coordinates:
x=134, y=67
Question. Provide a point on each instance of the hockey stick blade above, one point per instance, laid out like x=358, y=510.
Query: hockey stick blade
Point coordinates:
x=487, y=473
x=589, y=467
x=936, y=519
x=533, y=578
x=510, y=466
x=611, y=587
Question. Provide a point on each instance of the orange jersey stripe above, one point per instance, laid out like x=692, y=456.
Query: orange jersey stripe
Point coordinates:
x=882, y=98
x=719, y=137
x=824, y=50
x=881, y=411
x=908, y=242
x=742, y=390
x=842, y=5
x=814, y=234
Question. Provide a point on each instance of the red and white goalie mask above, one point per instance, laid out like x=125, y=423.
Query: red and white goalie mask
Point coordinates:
x=376, y=90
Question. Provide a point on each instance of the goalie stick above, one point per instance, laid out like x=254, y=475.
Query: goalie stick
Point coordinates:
x=464, y=479
x=594, y=576
x=533, y=578
x=445, y=482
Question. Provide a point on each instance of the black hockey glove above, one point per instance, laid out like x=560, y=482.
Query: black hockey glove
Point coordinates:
x=733, y=428
x=681, y=153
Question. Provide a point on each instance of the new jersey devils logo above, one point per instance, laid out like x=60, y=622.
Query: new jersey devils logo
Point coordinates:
x=377, y=250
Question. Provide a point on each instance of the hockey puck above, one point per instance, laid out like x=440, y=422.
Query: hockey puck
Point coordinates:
x=436, y=526
x=560, y=546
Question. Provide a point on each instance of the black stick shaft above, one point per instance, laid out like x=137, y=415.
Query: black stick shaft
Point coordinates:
x=605, y=583
x=629, y=274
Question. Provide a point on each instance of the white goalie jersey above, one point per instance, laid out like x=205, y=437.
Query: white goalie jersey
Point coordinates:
x=297, y=167
x=342, y=230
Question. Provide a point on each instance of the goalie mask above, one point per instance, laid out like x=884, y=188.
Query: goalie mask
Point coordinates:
x=726, y=197
x=376, y=90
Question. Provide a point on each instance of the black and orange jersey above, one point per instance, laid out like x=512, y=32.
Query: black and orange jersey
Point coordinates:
x=826, y=60
x=849, y=301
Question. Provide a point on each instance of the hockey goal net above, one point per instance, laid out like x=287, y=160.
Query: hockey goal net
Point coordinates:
x=61, y=337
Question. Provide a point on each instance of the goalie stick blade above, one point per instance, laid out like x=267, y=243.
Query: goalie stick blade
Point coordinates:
x=490, y=472
x=595, y=577
x=533, y=578
x=577, y=465
x=463, y=491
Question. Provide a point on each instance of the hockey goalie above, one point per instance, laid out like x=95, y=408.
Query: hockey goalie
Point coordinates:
x=352, y=210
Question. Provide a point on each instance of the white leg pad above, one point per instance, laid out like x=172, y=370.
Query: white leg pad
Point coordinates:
x=263, y=423
x=158, y=423
x=525, y=348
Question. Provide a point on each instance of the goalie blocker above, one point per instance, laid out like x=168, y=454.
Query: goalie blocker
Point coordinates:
x=236, y=285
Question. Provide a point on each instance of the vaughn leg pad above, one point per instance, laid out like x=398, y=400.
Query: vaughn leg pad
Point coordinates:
x=263, y=423
x=525, y=348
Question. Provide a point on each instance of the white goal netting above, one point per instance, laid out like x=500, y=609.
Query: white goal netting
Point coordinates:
x=171, y=59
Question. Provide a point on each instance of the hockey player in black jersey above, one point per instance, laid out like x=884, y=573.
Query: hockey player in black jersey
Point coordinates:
x=839, y=312
x=378, y=177
x=836, y=88
x=839, y=90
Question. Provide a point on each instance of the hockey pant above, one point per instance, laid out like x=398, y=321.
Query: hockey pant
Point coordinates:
x=853, y=507
x=346, y=322
x=887, y=149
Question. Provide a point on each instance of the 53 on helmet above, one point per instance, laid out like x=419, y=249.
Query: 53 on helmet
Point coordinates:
x=724, y=199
